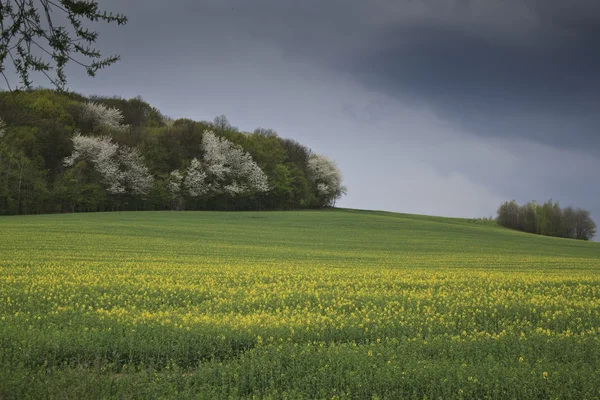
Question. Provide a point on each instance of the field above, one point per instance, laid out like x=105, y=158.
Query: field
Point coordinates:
x=316, y=304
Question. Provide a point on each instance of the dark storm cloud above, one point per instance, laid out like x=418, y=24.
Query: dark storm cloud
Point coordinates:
x=543, y=85
x=519, y=68
x=548, y=93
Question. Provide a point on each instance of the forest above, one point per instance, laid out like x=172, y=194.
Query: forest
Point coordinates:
x=547, y=219
x=64, y=152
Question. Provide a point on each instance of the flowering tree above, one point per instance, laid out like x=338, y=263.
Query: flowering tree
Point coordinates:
x=101, y=116
x=225, y=168
x=229, y=169
x=122, y=169
x=195, y=179
x=2, y=128
x=174, y=183
x=328, y=178
x=135, y=173
x=103, y=154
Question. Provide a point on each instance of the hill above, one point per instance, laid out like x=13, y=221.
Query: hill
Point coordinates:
x=338, y=238
x=305, y=304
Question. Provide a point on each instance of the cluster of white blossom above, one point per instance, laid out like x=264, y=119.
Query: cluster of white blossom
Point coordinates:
x=122, y=169
x=226, y=168
x=102, y=116
x=327, y=175
x=174, y=184
x=2, y=128
x=136, y=175
x=195, y=179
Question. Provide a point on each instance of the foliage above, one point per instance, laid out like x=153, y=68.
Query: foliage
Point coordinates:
x=195, y=179
x=265, y=132
x=547, y=219
x=126, y=155
x=97, y=115
x=310, y=304
x=327, y=177
x=29, y=35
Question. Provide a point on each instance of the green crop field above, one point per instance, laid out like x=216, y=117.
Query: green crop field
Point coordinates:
x=292, y=305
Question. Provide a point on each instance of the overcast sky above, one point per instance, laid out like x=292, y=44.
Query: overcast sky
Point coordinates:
x=441, y=107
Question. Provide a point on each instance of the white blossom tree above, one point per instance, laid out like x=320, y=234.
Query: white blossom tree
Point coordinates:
x=136, y=175
x=101, y=116
x=174, y=184
x=104, y=156
x=328, y=177
x=122, y=169
x=2, y=128
x=230, y=169
x=225, y=168
x=195, y=179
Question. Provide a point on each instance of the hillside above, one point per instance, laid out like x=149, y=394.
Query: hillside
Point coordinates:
x=299, y=305
x=340, y=238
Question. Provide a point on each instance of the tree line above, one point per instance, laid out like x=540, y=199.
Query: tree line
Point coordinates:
x=64, y=152
x=547, y=219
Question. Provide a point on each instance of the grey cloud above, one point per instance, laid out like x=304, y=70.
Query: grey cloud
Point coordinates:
x=545, y=88
x=521, y=68
x=494, y=88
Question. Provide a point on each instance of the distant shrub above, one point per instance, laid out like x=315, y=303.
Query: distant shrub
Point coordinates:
x=547, y=219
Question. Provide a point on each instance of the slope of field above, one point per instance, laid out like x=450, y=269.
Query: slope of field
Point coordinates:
x=312, y=304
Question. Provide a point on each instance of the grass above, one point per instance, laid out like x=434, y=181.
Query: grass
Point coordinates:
x=312, y=304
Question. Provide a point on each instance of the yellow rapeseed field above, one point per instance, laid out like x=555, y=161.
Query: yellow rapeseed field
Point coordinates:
x=330, y=305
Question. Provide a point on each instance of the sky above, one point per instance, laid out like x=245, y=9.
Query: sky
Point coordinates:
x=439, y=107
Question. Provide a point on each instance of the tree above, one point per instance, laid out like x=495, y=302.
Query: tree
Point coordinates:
x=122, y=168
x=569, y=216
x=229, y=168
x=136, y=176
x=583, y=225
x=174, y=187
x=548, y=219
x=508, y=214
x=221, y=123
x=32, y=41
x=2, y=128
x=265, y=132
x=529, y=216
x=327, y=177
x=102, y=152
x=97, y=115
x=195, y=179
